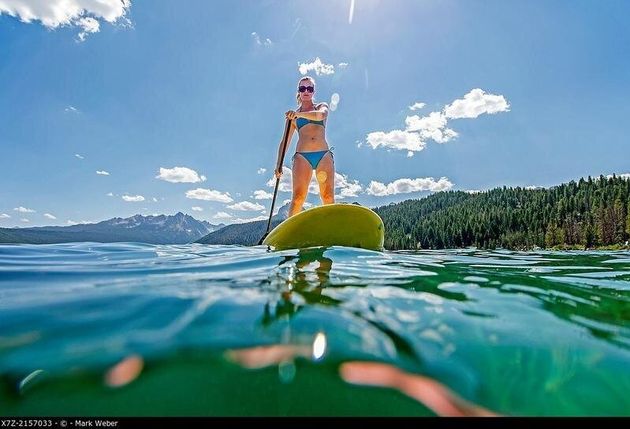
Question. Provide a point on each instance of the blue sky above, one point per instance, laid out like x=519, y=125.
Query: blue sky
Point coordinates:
x=123, y=107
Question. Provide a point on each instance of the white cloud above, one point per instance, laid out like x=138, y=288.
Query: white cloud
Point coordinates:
x=472, y=191
x=4, y=216
x=285, y=181
x=313, y=186
x=622, y=176
x=24, y=210
x=286, y=185
x=102, y=173
x=209, y=195
x=222, y=215
x=49, y=216
x=430, y=127
x=442, y=136
x=435, y=121
x=78, y=156
x=417, y=106
x=318, y=66
x=246, y=206
x=155, y=200
x=284, y=203
x=259, y=41
x=342, y=65
x=180, y=175
x=85, y=14
x=133, y=199
x=72, y=222
x=419, y=129
x=252, y=219
x=110, y=194
x=260, y=194
x=197, y=209
x=404, y=186
x=475, y=103
x=261, y=170
x=25, y=220
x=349, y=188
x=396, y=139
x=89, y=25
x=71, y=109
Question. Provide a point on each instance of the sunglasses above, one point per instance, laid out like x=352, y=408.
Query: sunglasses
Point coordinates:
x=310, y=89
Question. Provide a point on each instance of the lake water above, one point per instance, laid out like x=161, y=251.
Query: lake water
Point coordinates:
x=130, y=329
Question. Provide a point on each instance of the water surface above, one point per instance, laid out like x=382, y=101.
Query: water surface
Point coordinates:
x=196, y=330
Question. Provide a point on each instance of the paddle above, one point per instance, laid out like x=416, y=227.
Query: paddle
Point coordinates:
x=275, y=191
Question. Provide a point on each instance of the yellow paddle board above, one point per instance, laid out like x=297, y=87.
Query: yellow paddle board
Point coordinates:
x=339, y=224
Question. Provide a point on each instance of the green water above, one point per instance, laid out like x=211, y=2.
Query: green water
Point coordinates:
x=242, y=331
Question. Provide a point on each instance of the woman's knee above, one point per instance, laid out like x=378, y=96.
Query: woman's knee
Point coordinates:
x=299, y=196
x=327, y=194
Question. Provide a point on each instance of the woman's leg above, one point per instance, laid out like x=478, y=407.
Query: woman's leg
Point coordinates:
x=302, y=173
x=325, y=173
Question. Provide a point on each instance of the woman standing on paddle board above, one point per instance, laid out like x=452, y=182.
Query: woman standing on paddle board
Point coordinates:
x=312, y=151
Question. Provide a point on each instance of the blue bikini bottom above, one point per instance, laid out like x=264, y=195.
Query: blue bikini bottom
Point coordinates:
x=314, y=157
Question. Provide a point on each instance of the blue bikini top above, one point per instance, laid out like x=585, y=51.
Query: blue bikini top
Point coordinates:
x=300, y=122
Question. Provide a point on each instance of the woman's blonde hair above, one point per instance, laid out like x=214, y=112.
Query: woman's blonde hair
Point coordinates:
x=297, y=96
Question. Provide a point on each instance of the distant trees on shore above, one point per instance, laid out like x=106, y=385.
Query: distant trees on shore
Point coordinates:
x=585, y=214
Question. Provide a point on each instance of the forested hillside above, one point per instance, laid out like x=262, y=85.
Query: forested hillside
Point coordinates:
x=584, y=214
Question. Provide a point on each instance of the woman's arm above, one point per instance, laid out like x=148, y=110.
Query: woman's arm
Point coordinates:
x=319, y=114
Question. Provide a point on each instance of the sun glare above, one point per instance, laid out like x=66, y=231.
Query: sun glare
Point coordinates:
x=351, y=13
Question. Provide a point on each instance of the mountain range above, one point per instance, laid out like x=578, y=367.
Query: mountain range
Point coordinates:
x=246, y=234
x=163, y=229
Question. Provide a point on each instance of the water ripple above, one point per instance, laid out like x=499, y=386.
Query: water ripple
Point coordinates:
x=500, y=328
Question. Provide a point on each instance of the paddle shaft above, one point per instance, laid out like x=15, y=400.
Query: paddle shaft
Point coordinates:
x=275, y=191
